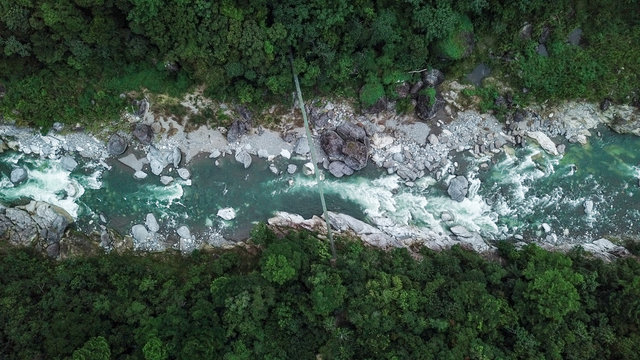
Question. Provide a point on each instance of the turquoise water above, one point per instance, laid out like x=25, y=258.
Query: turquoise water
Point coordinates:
x=521, y=190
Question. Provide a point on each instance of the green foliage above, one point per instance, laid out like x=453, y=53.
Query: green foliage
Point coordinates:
x=285, y=299
x=371, y=92
x=95, y=348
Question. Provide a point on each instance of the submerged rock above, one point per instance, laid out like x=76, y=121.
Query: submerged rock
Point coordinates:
x=292, y=168
x=18, y=175
x=458, y=188
x=588, y=207
x=140, y=175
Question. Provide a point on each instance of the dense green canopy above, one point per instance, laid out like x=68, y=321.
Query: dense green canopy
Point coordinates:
x=282, y=299
x=69, y=60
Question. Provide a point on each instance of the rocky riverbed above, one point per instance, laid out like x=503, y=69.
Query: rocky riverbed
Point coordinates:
x=413, y=147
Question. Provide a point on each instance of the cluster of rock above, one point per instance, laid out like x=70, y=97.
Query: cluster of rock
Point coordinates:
x=346, y=148
x=37, y=224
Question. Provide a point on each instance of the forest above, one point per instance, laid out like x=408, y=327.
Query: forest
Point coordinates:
x=282, y=297
x=71, y=60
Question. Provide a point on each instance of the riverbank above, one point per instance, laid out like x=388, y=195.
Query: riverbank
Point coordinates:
x=403, y=145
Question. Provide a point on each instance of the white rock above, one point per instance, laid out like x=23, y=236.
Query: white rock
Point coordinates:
x=244, y=158
x=292, y=168
x=215, y=154
x=184, y=232
x=381, y=141
x=545, y=142
x=166, y=180
x=273, y=169
x=177, y=157
x=546, y=228
x=140, y=175
x=227, y=213
x=285, y=154
x=152, y=223
x=68, y=163
x=184, y=173
x=308, y=169
x=263, y=154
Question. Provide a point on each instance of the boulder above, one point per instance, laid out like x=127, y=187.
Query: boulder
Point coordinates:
x=432, y=78
x=143, y=133
x=292, y=168
x=355, y=154
x=215, y=153
x=237, y=129
x=285, y=153
x=185, y=174
x=574, y=37
x=339, y=169
x=461, y=231
x=227, y=213
x=351, y=131
x=544, y=141
x=458, y=188
x=308, y=169
x=479, y=73
x=140, y=233
x=166, y=180
x=302, y=146
x=140, y=175
x=605, y=104
x=68, y=163
x=331, y=143
x=427, y=107
x=152, y=223
x=407, y=174
x=433, y=139
x=18, y=175
x=546, y=228
x=184, y=232
x=177, y=157
x=542, y=50
x=116, y=145
x=263, y=154
x=158, y=160
x=243, y=157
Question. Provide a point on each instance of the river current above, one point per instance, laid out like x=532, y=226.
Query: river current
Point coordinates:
x=513, y=197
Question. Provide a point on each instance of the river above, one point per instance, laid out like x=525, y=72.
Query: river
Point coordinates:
x=521, y=190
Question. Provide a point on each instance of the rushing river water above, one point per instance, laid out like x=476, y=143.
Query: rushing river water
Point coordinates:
x=520, y=190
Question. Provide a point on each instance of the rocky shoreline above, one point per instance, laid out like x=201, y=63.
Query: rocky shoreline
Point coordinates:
x=411, y=146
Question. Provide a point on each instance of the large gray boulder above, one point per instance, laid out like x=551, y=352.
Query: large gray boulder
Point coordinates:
x=349, y=130
x=244, y=158
x=302, y=146
x=427, y=107
x=339, y=169
x=177, y=157
x=355, y=154
x=237, y=129
x=331, y=143
x=143, y=133
x=458, y=188
x=432, y=78
x=18, y=175
x=117, y=145
x=37, y=224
